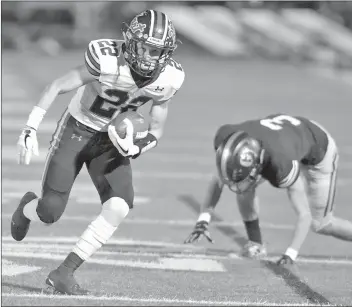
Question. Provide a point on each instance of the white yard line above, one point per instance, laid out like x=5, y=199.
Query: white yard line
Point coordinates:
x=142, y=300
x=55, y=248
x=64, y=248
x=117, y=242
x=166, y=222
x=176, y=264
x=91, y=198
x=10, y=268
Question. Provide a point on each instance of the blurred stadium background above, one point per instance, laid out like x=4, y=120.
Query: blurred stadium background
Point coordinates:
x=315, y=31
x=242, y=59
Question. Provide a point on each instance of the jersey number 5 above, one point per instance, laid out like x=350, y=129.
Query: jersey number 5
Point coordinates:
x=277, y=122
x=101, y=106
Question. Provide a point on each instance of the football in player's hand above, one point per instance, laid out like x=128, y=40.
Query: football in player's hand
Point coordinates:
x=140, y=125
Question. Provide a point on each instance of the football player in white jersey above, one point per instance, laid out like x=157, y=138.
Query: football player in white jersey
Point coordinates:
x=117, y=76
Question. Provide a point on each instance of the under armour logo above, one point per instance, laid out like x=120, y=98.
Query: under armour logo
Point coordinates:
x=76, y=136
x=159, y=89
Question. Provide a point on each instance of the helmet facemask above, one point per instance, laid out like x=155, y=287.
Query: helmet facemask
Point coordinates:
x=249, y=182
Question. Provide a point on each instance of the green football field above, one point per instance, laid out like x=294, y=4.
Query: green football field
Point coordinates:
x=146, y=262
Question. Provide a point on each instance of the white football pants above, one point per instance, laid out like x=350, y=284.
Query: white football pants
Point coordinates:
x=321, y=182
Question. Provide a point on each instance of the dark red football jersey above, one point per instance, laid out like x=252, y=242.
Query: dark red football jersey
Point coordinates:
x=287, y=140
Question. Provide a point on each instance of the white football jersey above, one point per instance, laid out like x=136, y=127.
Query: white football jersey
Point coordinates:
x=96, y=103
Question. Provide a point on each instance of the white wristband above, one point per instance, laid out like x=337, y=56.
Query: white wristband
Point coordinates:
x=36, y=117
x=205, y=216
x=291, y=253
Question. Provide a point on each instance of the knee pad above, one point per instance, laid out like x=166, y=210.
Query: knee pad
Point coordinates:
x=115, y=210
x=323, y=226
x=51, y=207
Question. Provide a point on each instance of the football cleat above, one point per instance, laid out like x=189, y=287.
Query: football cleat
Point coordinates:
x=19, y=223
x=254, y=250
x=63, y=282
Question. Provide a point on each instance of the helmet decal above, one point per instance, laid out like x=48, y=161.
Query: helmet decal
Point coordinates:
x=135, y=26
x=246, y=157
x=171, y=34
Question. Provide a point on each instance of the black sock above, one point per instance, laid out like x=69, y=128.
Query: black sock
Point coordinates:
x=253, y=231
x=72, y=262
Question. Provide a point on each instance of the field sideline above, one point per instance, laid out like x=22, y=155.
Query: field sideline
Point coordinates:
x=170, y=184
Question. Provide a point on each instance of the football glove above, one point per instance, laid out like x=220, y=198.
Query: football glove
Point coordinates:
x=27, y=145
x=253, y=250
x=285, y=260
x=201, y=229
x=125, y=146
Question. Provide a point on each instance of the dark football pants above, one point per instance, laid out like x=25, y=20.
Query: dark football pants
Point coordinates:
x=74, y=144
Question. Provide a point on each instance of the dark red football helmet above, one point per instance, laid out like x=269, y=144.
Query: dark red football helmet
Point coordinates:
x=239, y=161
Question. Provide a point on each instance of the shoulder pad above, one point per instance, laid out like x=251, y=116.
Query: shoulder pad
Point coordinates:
x=290, y=177
x=92, y=61
x=175, y=74
x=171, y=78
x=281, y=172
x=101, y=56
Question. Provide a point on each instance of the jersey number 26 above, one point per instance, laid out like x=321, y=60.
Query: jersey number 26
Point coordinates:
x=277, y=122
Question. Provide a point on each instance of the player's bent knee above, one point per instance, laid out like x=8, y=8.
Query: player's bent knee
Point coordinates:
x=51, y=207
x=115, y=210
x=323, y=226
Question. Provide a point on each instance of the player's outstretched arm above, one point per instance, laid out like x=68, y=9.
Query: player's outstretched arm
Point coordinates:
x=27, y=143
x=201, y=227
x=299, y=202
x=72, y=80
x=213, y=196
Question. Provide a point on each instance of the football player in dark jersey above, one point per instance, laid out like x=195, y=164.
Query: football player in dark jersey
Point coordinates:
x=280, y=149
